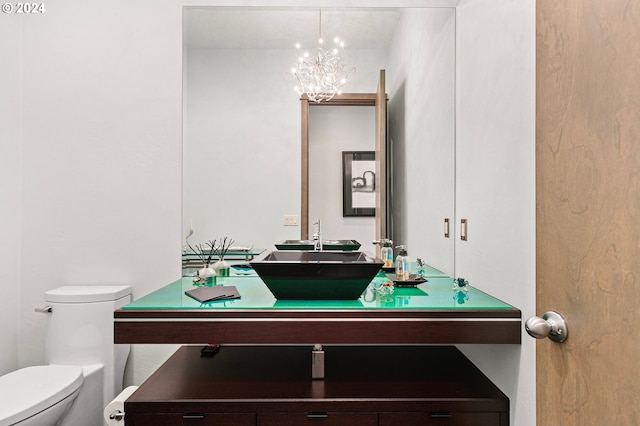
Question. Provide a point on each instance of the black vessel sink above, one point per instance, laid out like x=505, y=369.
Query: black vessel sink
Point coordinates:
x=342, y=245
x=316, y=275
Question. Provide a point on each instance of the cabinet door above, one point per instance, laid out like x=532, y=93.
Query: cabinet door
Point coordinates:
x=495, y=158
x=192, y=419
x=317, y=419
x=439, y=418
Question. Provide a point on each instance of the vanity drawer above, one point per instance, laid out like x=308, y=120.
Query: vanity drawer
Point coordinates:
x=439, y=418
x=192, y=419
x=318, y=419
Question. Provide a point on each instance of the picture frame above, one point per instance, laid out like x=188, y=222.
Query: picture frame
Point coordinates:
x=358, y=183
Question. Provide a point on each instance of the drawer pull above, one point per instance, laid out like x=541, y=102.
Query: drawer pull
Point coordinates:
x=193, y=416
x=440, y=414
x=317, y=415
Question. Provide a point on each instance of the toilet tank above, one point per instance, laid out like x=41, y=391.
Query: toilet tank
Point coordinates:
x=80, y=330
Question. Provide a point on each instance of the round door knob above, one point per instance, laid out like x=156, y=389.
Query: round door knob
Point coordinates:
x=551, y=325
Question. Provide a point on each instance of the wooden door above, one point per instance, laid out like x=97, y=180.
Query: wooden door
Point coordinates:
x=588, y=210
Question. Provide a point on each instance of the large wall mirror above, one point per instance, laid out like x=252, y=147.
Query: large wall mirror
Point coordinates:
x=242, y=129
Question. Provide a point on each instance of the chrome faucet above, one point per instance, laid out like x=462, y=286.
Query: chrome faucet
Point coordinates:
x=317, y=236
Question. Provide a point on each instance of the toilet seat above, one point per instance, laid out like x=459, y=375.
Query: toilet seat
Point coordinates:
x=30, y=390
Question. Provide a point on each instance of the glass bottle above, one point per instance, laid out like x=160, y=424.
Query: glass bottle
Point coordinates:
x=386, y=253
x=403, y=272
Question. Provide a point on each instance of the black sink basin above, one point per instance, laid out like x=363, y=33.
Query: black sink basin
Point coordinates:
x=316, y=275
x=344, y=245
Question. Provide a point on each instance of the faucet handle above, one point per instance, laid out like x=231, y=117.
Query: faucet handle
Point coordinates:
x=317, y=236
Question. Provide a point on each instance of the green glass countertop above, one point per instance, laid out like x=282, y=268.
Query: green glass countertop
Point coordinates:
x=437, y=293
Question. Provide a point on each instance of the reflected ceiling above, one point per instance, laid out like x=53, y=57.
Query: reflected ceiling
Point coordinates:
x=281, y=28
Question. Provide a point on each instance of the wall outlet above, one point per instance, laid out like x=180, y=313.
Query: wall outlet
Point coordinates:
x=290, y=220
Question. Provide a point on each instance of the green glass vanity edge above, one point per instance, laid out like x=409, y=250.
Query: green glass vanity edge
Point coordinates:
x=438, y=293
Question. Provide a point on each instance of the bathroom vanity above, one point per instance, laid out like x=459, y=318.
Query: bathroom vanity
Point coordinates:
x=270, y=385
x=387, y=359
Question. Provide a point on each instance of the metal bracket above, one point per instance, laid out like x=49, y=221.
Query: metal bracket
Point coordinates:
x=317, y=362
x=463, y=229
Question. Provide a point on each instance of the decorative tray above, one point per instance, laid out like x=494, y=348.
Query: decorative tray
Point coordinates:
x=414, y=280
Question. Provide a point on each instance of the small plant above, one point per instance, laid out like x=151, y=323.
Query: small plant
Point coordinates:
x=205, y=252
x=221, y=250
x=209, y=252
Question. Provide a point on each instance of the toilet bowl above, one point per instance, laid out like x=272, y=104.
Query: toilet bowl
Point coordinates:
x=38, y=395
x=85, y=368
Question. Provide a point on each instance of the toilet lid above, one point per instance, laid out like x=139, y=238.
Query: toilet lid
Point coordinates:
x=87, y=293
x=28, y=391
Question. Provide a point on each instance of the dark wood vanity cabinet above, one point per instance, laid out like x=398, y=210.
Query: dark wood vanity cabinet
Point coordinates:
x=442, y=418
x=317, y=419
x=195, y=419
x=363, y=385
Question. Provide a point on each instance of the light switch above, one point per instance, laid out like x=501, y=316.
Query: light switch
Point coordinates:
x=290, y=220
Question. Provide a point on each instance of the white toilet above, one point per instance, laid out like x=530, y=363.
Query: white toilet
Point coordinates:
x=84, y=368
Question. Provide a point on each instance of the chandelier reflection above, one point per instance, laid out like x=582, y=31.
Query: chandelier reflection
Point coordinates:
x=321, y=74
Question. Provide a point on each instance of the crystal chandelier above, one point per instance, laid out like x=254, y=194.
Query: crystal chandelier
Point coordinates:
x=322, y=74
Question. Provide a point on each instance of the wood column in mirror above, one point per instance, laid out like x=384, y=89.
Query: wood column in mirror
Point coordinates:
x=304, y=209
x=379, y=100
x=383, y=166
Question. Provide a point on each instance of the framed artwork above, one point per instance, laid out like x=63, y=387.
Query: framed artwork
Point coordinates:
x=358, y=183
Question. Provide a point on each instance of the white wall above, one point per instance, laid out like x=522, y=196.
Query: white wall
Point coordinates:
x=420, y=84
x=10, y=87
x=101, y=154
x=242, y=146
x=495, y=173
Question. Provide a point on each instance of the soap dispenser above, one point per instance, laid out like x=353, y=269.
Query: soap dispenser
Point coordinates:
x=403, y=272
x=386, y=253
